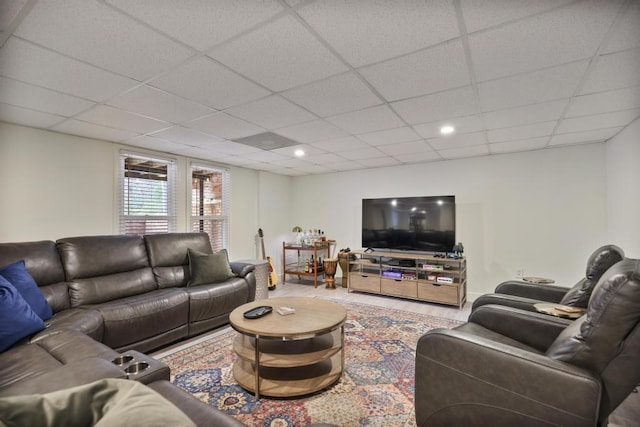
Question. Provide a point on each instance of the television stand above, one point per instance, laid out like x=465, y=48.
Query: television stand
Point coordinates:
x=440, y=280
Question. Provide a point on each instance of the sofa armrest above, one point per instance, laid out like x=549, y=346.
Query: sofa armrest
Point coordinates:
x=534, y=329
x=79, y=372
x=504, y=299
x=462, y=379
x=548, y=293
x=241, y=269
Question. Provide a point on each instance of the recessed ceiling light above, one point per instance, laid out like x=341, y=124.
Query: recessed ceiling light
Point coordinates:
x=299, y=152
x=447, y=130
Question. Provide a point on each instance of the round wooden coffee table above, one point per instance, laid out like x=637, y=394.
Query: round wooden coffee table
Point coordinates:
x=292, y=355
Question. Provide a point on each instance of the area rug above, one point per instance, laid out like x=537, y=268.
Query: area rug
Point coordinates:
x=376, y=388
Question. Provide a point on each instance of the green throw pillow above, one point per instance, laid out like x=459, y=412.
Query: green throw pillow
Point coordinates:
x=208, y=268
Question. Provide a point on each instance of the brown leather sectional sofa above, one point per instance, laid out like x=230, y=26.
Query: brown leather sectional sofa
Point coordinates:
x=112, y=295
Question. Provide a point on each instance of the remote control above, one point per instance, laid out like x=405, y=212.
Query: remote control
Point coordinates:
x=258, y=312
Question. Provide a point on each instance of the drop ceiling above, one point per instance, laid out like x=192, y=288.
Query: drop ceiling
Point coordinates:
x=356, y=84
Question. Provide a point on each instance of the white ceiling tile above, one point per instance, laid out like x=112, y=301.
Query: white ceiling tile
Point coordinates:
x=404, y=148
x=521, y=145
x=473, y=151
x=290, y=172
x=233, y=148
x=439, y=106
x=200, y=24
x=91, y=130
x=265, y=156
x=25, y=116
x=598, y=121
x=390, y=136
x=521, y=132
x=367, y=32
x=584, y=137
x=209, y=83
x=120, y=119
x=161, y=105
x=458, y=140
x=36, y=98
x=614, y=71
x=465, y=124
x=279, y=55
x=531, y=44
x=425, y=156
x=95, y=33
x=265, y=166
x=151, y=143
x=362, y=153
x=204, y=153
x=626, y=33
x=335, y=95
x=328, y=159
x=186, y=136
x=271, y=113
x=347, y=165
x=224, y=126
x=8, y=12
x=29, y=63
x=535, y=113
x=379, y=162
x=340, y=144
x=292, y=163
x=432, y=70
x=367, y=120
x=315, y=169
x=238, y=161
x=532, y=88
x=479, y=14
x=602, y=102
x=312, y=131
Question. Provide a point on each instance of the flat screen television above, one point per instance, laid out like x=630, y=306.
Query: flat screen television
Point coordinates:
x=424, y=224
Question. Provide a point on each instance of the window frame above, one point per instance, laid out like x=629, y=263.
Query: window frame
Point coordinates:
x=172, y=182
x=225, y=217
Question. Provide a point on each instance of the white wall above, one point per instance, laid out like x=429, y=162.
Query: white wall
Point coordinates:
x=623, y=192
x=54, y=185
x=544, y=211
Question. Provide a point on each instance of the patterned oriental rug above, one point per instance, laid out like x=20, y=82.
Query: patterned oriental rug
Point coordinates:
x=376, y=388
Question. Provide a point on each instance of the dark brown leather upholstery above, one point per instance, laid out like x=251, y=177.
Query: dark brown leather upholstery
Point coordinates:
x=524, y=295
x=43, y=263
x=513, y=367
x=113, y=294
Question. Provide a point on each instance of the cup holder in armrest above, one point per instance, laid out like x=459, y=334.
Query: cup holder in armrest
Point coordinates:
x=122, y=360
x=136, y=368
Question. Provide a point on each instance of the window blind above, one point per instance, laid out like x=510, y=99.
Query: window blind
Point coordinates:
x=210, y=194
x=148, y=194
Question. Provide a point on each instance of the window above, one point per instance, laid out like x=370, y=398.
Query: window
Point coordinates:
x=147, y=204
x=209, y=204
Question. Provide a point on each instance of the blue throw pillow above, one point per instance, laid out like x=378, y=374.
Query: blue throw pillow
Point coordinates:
x=17, y=320
x=19, y=277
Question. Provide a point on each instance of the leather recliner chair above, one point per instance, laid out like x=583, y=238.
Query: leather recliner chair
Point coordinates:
x=513, y=367
x=524, y=295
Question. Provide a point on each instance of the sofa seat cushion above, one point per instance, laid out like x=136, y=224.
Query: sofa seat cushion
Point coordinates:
x=136, y=318
x=30, y=360
x=89, y=322
x=210, y=301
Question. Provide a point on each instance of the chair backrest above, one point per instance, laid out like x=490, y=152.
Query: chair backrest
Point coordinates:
x=600, y=261
x=606, y=340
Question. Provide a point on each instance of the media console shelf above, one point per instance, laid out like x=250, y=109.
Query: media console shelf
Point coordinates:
x=410, y=275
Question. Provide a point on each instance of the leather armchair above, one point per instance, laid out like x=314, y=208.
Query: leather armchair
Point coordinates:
x=524, y=295
x=507, y=366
